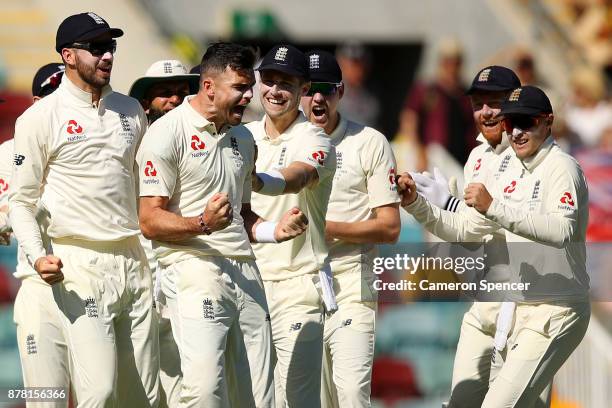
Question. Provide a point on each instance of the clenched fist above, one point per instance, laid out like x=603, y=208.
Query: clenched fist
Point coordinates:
x=292, y=224
x=407, y=189
x=50, y=269
x=218, y=213
x=477, y=196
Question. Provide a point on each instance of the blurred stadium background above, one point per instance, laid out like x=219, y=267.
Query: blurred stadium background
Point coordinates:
x=405, y=65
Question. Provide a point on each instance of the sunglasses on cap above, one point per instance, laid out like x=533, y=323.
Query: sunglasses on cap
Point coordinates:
x=324, y=88
x=97, y=49
x=523, y=122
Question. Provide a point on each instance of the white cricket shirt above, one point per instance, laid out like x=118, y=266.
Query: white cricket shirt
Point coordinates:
x=306, y=143
x=364, y=179
x=184, y=158
x=78, y=158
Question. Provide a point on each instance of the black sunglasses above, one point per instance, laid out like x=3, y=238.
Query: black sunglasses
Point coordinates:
x=97, y=49
x=324, y=88
x=523, y=122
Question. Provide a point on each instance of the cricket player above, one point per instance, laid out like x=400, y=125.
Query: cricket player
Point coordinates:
x=163, y=88
x=490, y=86
x=363, y=210
x=541, y=202
x=43, y=350
x=295, y=165
x=75, y=152
x=195, y=190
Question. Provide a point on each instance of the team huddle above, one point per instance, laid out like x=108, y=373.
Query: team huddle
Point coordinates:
x=171, y=255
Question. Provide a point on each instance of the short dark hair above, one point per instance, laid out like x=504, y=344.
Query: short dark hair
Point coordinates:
x=223, y=54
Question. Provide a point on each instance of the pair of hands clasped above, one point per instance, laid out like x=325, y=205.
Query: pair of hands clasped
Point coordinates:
x=437, y=190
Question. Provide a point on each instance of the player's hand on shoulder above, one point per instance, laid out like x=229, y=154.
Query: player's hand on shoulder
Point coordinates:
x=218, y=213
x=407, y=188
x=50, y=269
x=477, y=196
x=292, y=224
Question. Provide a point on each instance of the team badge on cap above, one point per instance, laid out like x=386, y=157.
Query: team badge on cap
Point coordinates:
x=514, y=96
x=314, y=61
x=281, y=54
x=484, y=75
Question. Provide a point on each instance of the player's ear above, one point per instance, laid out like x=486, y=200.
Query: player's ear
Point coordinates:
x=305, y=88
x=208, y=86
x=341, y=90
x=69, y=56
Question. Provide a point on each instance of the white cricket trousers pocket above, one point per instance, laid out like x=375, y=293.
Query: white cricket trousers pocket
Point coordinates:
x=45, y=360
x=541, y=340
x=296, y=311
x=221, y=325
x=348, y=348
x=110, y=325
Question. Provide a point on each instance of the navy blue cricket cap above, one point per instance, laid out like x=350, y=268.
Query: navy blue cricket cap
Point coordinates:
x=494, y=78
x=526, y=100
x=81, y=28
x=323, y=67
x=47, y=79
x=287, y=59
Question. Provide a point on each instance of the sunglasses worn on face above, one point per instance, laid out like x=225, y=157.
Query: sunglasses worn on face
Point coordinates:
x=523, y=122
x=97, y=49
x=324, y=88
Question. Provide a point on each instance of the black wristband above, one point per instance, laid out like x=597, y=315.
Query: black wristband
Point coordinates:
x=452, y=204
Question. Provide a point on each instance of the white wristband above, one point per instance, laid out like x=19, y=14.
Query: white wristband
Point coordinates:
x=264, y=232
x=273, y=183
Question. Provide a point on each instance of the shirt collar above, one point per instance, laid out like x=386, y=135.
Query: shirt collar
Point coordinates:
x=530, y=163
x=196, y=119
x=340, y=130
x=81, y=95
x=288, y=133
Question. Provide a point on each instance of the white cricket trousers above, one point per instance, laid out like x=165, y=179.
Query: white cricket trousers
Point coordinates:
x=296, y=311
x=348, y=348
x=43, y=350
x=108, y=319
x=542, y=338
x=221, y=325
x=170, y=375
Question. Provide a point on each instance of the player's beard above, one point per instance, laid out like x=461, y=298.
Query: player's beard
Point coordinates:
x=154, y=114
x=88, y=74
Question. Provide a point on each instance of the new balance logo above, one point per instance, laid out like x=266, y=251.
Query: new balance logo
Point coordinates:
x=281, y=54
x=31, y=344
x=295, y=326
x=91, y=308
x=347, y=322
x=18, y=159
x=208, y=310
